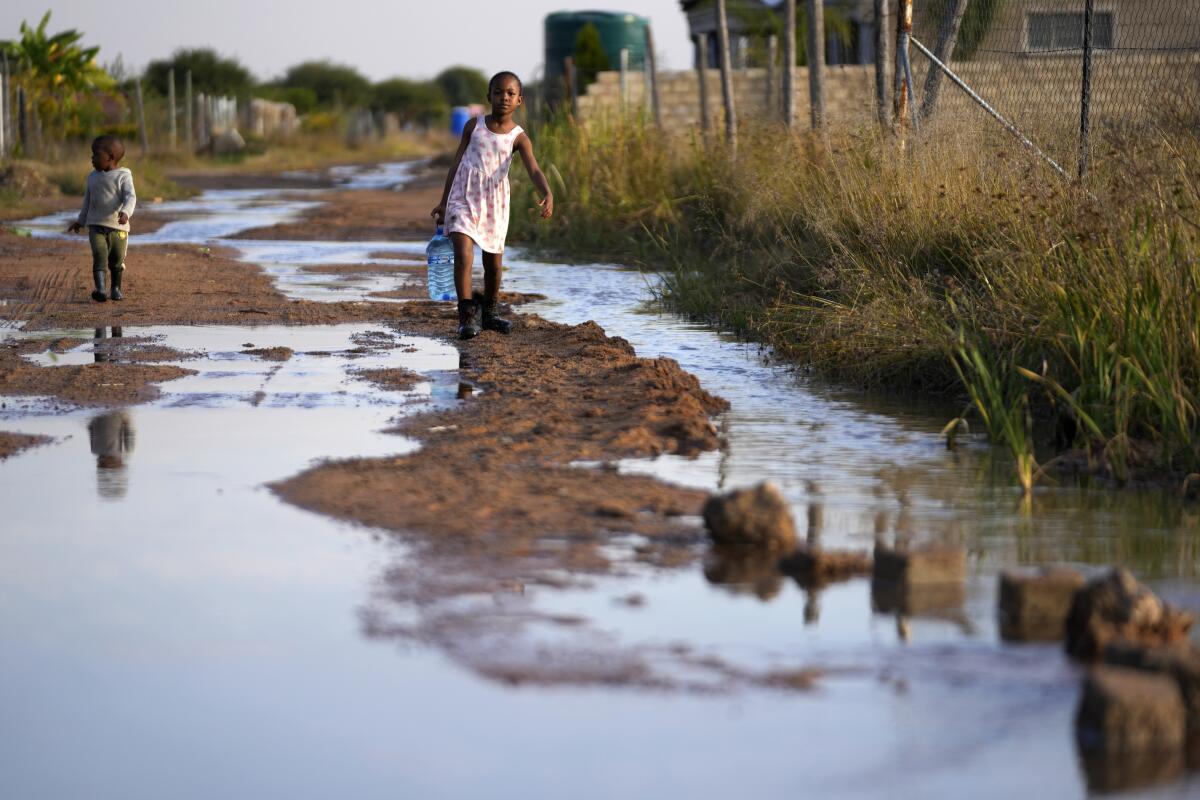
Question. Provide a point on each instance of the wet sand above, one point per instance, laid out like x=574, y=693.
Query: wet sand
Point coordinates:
x=13, y=443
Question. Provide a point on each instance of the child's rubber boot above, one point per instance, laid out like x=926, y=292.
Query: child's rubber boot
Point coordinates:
x=115, y=294
x=468, y=312
x=493, y=322
x=98, y=295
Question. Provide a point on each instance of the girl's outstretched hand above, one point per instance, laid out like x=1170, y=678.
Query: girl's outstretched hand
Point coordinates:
x=547, y=204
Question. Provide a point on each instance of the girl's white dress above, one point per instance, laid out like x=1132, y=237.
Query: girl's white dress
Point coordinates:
x=478, y=201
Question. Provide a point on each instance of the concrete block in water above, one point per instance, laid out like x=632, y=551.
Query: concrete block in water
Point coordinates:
x=1126, y=712
x=1034, y=608
x=918, y=599
x=927, y=565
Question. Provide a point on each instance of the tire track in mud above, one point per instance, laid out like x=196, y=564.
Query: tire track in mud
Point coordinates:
x=51, y=287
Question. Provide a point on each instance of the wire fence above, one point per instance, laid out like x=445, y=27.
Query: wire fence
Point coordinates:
x=1080, y=78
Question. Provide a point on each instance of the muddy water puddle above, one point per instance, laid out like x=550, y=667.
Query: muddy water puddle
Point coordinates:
x=169, y=627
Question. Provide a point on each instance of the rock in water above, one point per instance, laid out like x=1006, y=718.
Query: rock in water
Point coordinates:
x=751, y=518
x=1118, y=607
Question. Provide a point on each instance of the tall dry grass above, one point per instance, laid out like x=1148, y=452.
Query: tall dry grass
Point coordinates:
x=1067, y=315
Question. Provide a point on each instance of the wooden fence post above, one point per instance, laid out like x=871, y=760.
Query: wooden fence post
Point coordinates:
x=172, y=128
x=789, y=62
x=652, y=66
x=883, y=61
x=702, y=77
x=188, y=112
x=772, y=52
x=816, y=61
x=569, y=77
x=726, y=77
x=141, y=114
x=903, y=90
x=5, y=111
x=624, y=80
x=947, y=39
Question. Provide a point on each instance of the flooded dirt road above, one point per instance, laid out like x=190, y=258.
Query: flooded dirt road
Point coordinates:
x=169, y=626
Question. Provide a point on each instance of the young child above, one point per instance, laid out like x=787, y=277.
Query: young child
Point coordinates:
x=108, y=203
x=475, y=201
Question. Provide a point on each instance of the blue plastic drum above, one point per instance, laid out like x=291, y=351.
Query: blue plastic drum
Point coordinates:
x=458, y=119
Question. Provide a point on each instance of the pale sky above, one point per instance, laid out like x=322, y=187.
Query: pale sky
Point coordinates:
x=382, y=39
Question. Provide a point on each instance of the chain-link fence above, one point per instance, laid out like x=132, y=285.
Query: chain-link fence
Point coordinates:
x=1077, y=77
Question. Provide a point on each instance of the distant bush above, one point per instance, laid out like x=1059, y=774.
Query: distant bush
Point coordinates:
x=415, y=102
x=463, y=85
x=333, y=84
x=320, y=122
x=212, y=73
x=305, y=100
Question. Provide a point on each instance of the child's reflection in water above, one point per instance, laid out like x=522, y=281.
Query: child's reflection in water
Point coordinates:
x=112, y=439
x=101, y=347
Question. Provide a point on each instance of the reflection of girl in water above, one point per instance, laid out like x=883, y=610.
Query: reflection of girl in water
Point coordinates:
x=112, y=439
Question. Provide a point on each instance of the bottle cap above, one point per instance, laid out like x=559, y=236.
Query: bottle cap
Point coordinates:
x=439, y=230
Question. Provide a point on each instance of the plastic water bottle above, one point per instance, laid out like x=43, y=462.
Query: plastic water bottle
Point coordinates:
x=440, y=256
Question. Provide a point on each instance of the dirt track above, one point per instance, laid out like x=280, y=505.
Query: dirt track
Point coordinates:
x=493, y=479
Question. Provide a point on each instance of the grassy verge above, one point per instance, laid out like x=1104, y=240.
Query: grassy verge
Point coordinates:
x=1068, y=317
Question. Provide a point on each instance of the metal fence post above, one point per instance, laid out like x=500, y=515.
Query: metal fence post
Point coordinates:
x=1085, y=95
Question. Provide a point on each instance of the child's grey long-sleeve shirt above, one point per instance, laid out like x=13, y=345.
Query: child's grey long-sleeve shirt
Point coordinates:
x=107, y=195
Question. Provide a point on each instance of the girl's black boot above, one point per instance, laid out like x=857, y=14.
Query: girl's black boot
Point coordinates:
x=468, y=313
x=491, y=320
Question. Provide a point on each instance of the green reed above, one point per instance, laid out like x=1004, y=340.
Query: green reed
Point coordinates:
x=1068, y=315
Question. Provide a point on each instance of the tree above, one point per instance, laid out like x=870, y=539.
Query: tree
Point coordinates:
x=463, y=85
x=304, y=100
x=759, y=23
x=415, y=102
x=54, y=71
x=211, y=73
x=333, y=84
x=590, y=58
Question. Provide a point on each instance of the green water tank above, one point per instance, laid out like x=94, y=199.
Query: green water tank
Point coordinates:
x=617, y=31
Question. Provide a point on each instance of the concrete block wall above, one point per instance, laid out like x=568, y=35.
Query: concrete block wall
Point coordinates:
x=1037, y=92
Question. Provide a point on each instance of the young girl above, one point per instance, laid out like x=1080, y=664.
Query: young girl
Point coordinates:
x=475, y=201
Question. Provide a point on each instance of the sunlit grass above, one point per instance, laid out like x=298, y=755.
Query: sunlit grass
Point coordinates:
x=1067, y=314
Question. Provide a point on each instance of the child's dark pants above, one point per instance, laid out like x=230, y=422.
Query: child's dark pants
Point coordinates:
x=108, y=254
